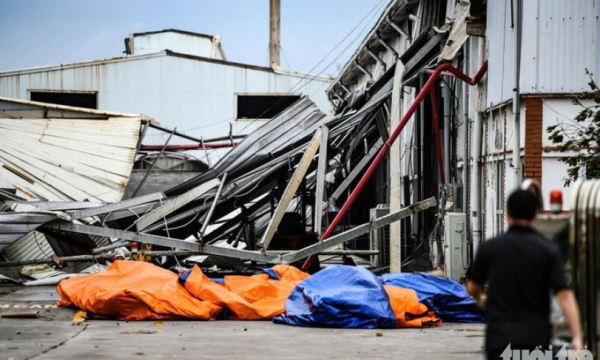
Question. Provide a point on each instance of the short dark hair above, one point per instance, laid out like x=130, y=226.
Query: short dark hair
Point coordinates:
x=522, y=205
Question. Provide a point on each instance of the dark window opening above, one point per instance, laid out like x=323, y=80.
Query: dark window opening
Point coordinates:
x=263, y=106
x=83, y=100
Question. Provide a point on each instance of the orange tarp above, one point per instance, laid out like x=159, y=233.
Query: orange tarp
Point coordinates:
x=134, y=290
x=409, y=312
x=247, y=297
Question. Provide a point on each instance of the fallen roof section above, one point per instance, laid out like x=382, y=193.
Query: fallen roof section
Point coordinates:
x=16, y=225
x=68, y=160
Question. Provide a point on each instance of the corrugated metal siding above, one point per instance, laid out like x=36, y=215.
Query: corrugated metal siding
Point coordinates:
x=32, y=246
x=451, y=8
x=560, y=40
x=568, y=39
x=432, y=13
x=500, y=41
x=69, y=160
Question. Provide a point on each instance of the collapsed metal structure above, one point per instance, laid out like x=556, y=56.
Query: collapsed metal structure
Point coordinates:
x=265, y=201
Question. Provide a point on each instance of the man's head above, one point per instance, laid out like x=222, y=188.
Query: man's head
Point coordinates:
x=521, y=208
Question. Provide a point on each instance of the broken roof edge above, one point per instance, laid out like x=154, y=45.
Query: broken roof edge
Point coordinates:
x=392, y=7
x=184, y=32
x=304, y=75
x=67, y=108
x=250, y=66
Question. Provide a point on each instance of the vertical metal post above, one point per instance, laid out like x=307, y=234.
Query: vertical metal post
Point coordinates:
x=274, y=32
x=466, y=173
x=291, y=188
x=212, y=207
x=205, y=152
x=516, y=100
x=436, y=129
x=395, y=173
x=418, y=172
x=319, y=187
x=154, y=163
x=447, y=117
x=142, y=136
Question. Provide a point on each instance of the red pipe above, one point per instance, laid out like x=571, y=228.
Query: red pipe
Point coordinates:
x=436, y=127
x=186, y=147
x=393, y=136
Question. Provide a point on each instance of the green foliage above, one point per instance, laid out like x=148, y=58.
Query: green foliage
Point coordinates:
x=581, y=134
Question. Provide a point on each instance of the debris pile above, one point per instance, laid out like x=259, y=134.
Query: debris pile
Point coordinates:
x=272, y=199
x=267, y=201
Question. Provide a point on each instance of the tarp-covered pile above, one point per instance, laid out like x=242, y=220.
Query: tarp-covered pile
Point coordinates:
x=446, y=297
x=339, y=296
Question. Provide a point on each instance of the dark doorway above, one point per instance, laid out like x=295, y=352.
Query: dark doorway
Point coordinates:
x=263, y=106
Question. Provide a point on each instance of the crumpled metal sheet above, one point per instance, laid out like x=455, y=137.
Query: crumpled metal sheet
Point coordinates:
x=288, y=131
x=68, y=160
x=458, y=34
x=14, y=226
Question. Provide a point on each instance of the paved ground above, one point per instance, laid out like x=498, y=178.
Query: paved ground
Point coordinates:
x=51, y=336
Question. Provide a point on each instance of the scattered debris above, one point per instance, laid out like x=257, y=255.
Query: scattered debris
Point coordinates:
x=80, y=317
x=8, y=280
x=21, y=315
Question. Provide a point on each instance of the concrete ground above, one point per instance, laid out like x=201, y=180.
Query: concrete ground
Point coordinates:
x=52, y=336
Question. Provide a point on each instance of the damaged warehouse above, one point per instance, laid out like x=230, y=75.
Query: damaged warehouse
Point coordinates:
x=245, y=200
x=265, y=199
x=355, y=201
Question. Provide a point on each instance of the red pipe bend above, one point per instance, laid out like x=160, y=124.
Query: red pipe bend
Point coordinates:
x=392, y=138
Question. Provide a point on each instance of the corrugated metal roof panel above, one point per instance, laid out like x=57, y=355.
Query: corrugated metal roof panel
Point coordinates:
x=32, y=246
x=68, y=160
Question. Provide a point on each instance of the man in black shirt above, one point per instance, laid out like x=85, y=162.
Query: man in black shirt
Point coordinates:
x=522, y=269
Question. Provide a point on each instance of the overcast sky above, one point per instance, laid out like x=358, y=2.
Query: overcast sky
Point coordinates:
x=37, y=33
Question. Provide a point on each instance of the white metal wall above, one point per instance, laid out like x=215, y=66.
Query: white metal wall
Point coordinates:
x=559, y=41
x=197, y=97
x=501, y=47
x=178, y=42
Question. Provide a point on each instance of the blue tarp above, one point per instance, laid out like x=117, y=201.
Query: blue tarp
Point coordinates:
x=184, y=275
x=339, y=296
x=447, y=298
x=272, y=274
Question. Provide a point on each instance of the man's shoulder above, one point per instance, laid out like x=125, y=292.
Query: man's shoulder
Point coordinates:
x=533, y=238
x=495, y=241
